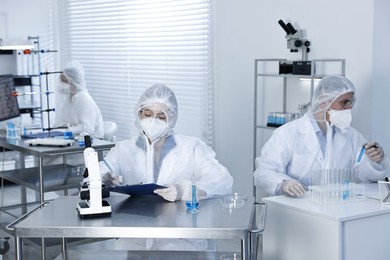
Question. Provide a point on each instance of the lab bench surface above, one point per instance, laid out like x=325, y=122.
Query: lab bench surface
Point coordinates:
x=44, y=151
x=147, y=255
x=139, y=217
x=300, y=229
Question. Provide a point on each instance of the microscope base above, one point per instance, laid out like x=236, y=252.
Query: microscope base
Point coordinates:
x=85, y=211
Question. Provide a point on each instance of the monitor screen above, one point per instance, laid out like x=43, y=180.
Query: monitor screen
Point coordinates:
x=9, y=107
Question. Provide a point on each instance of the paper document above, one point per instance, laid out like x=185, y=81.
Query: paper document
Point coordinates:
x=137, y=189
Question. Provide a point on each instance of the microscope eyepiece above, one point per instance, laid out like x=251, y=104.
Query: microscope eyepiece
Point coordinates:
x=291, y=28
x=284, y=26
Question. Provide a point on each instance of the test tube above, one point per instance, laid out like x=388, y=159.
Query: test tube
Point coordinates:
x=193, y=205
x=361, y=153
x=193, y=191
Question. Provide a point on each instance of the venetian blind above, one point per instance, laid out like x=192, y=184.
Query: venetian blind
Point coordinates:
x=127, y=46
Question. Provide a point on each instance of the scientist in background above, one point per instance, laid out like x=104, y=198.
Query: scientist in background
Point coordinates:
x=158, y=155
x=321, y=139
x=75, y=107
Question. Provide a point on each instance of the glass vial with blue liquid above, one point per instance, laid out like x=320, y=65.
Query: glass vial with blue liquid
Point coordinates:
x=193, y=204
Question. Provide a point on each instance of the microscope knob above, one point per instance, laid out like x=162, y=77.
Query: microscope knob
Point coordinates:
x=298, y=43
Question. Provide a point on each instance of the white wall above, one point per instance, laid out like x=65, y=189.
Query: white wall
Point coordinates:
x=20, y=19
x=249, y=30
x=380, y=122
x=25, y=18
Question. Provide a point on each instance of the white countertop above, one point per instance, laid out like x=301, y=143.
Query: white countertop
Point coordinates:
x=340, y=211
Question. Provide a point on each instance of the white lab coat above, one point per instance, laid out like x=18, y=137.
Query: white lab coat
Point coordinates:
x=293, y=151
x=81, y=113
x=189, y=157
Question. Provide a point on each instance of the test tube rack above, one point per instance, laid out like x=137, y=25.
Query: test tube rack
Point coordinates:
x=335, y=186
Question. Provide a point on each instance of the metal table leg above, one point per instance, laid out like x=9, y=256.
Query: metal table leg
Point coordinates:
x=43, y=249
x=18, y=250
x=245, y=248
x=41, y=195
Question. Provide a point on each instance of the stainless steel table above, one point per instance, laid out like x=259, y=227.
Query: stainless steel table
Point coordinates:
x=138, y=217
x=46, y=151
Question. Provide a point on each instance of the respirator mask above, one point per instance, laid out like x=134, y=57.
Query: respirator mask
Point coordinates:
x=63, y=88
x=154, y=127
x=340, y=118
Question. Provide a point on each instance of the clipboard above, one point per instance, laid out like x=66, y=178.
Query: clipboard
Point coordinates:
x=137, y=189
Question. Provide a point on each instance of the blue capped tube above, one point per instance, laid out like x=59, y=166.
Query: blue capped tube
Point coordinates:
x=361, y=154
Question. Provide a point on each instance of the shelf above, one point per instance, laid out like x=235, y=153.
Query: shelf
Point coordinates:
x=56, y=177
x=266, y=127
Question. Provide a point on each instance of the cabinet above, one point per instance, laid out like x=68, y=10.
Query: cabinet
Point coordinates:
x=286, y=94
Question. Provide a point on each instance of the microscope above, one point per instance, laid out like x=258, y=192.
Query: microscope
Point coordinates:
x=92, y=192
x=295, y=42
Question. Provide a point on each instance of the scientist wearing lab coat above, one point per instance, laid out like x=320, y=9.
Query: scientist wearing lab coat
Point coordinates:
x=321, y=139
x=158, y=155
x=75, y=108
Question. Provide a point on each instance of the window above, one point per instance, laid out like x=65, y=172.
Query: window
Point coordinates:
x=127, y=46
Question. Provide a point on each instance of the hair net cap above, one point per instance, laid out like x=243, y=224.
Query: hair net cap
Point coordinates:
x=163, y=97
x=74, y=73
x=328, y=90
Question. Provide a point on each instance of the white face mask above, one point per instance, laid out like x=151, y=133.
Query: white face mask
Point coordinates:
x=340, y=118
x=154, y=128
x=63, y=88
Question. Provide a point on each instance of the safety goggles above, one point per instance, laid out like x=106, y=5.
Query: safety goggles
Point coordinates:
x=147, y=111
x=346, y=103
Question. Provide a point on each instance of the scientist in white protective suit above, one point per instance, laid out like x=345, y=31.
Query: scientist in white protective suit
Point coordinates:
x=321, y=139
x=158, y=155
x=75, y=108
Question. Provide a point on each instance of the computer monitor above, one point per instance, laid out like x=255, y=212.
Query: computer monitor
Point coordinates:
x=9, y=107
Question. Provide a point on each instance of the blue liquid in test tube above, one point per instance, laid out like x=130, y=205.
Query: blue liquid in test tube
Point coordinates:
x=193, y=205
x=361, y=154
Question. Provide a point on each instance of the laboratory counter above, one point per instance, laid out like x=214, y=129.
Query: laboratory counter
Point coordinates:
x=146, y=216
x=44, y=151
x=297, y=228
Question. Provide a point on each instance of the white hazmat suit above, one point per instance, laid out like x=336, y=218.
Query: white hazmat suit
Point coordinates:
x=294, y=150
x=170, y=160
x=167, y=159
x=75, y=107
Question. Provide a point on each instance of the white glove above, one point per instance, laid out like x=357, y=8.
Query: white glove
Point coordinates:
x=172, y=193
x=293, y=188
x=111, y=180
x=374, y=152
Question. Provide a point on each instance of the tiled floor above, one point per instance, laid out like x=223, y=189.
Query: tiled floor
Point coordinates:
x=10, y=195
